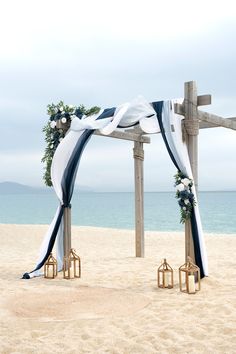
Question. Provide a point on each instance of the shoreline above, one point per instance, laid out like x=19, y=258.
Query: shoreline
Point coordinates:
x=206, y=233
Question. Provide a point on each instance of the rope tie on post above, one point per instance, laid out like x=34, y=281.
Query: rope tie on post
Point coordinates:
x=191, y=126
x=138, y=154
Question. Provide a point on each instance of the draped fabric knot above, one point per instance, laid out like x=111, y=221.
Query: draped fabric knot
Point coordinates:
x=66, y=206
x=25, y=276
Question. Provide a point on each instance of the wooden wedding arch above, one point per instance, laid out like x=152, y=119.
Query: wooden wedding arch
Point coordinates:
x=194, y=119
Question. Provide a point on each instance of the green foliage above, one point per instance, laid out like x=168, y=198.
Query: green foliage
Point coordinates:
x=53, y=135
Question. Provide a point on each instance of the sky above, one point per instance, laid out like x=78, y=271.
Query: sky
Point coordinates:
x=106, y=53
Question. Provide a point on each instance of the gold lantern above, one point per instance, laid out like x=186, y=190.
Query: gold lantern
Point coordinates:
x=189, y=277
x=165, y=276
x=72, y=266
x=50, y=267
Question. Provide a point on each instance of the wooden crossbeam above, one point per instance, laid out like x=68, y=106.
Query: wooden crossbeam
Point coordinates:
x=203, y=100
x=217, y=120
x=209, y=120
x=206, y=125
x=126, y=136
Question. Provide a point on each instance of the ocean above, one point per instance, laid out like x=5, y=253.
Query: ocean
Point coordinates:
x=116, y=210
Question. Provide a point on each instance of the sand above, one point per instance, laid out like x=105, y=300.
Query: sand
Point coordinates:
x=116, y=306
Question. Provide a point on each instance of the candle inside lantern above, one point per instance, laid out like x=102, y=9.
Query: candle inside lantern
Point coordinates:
x=50, y=272
x=166, y=279
x=191, y=284
x=71, y=271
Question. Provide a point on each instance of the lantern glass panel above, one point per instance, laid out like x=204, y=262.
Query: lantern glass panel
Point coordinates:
x=72, y=266
x=66, y=268
x=77, y=268
x=189, y=277
x=165, y=276
x=50, y=267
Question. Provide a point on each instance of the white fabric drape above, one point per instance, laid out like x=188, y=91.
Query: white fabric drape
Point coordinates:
x=126, y=115
x=44, y=244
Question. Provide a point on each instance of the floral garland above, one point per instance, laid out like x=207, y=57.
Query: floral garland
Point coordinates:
x=184, y=195
x=54, y=133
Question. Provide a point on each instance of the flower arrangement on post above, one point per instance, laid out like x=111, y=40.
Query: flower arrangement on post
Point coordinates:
x=184, y=195
x=54, y=133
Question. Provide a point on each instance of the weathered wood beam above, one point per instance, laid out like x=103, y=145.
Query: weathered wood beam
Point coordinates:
x=192, y=129
x=138, y=154
x=217, y=120
x=67, y=232
x=205, y=125
x=135, y=130
x=126, y=136
x=209, y=120
x=203, y=100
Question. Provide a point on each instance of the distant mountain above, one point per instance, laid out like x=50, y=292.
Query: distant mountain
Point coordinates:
x=17, y=188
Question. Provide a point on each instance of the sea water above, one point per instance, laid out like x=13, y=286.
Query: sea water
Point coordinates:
x=116, y=210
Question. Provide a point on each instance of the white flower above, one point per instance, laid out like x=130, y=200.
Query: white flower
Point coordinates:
x=186, y=182
x=180, y=187
x=51, y=146
x=71, y=106
x=53, y=124
x=186, y=201
x=63, y=120
x=184, y=208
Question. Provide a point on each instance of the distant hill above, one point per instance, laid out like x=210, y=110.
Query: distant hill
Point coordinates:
x=17, y=188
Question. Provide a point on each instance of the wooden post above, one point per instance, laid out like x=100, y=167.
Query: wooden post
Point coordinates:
x=67, y=231
x=192, y=128
x=139, y=210
x=67, y=211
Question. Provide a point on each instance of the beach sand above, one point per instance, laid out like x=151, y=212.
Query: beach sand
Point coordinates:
x=116, y=306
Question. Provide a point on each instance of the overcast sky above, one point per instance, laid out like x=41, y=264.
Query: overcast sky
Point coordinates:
x=106, y=53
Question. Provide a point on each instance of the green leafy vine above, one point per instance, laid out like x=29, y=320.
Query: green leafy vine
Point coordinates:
x=55, y=130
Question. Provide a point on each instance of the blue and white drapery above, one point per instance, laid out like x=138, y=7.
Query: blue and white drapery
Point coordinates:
x=64, y=167
x=171, y=129
x=158, y=117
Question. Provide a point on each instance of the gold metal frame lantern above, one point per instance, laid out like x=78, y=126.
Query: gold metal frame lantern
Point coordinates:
x=50, y=267
x=165, y=277
x=72, y=266
x=189, y=277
